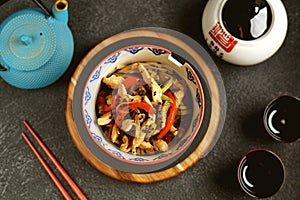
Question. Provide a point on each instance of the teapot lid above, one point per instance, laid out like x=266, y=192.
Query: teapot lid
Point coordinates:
x=27, y=40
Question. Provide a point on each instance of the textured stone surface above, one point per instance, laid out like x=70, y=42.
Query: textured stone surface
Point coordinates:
x=249, y=89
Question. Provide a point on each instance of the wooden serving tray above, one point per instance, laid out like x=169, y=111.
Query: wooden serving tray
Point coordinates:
x=214, y=122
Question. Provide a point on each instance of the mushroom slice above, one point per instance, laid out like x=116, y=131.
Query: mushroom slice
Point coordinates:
x=179, y=96
x=147, y=146
x=174, y=130
x=125, y=145
x=146, y=127
x=160, y=145
x=180, y=91
x=126, y=68
x=156, y=93
x=162, y=116
x=155, y=88
x=145, y=74
x=122, y=90
x=105, y=119
x=127, y=124
x=115, y=134
x=136, y=143
x=113, y=81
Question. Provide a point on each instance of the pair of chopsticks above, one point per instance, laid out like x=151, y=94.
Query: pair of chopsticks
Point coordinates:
x=65, y=175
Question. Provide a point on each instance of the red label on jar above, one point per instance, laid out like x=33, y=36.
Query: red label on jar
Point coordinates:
x=224, y=39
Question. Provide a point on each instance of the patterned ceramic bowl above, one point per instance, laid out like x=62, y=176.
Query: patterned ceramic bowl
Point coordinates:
x=135, y=54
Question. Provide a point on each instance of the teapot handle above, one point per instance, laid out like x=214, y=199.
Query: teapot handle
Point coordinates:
x=37, y=2
x=43, y=7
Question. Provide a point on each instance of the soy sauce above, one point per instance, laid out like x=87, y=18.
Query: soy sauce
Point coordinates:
x=261, y=173
x=282, y=119
x=247, y=19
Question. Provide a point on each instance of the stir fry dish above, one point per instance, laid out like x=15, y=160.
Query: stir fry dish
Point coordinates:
x=140, y=107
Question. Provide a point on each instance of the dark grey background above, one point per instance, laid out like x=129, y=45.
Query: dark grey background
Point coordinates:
x=248, y=89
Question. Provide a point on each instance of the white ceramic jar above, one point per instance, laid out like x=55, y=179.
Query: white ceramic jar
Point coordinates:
x=268, y=25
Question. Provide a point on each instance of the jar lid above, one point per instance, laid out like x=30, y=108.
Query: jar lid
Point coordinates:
x=27, y=40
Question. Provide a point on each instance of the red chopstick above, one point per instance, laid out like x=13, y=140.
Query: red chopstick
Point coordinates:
x=65, y=175
x=47, y=168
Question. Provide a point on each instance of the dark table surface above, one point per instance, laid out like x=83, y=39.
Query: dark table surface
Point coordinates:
x=248, y=89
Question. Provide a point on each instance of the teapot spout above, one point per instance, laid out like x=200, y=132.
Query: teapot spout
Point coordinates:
x=60, y=11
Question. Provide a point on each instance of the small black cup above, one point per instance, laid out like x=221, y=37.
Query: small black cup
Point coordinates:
x=282, y=118
x=260, y=173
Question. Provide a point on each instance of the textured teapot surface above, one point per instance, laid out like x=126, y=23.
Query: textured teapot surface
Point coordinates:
x=35, y=49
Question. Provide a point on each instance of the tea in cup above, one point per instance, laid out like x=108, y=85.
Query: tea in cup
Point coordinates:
x=260, y=173
x=281, y=118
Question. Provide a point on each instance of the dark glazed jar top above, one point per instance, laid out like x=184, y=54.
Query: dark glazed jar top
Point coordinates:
x=247, y=19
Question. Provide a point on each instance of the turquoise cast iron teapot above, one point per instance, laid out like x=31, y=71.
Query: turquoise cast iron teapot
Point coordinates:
x=36, y=46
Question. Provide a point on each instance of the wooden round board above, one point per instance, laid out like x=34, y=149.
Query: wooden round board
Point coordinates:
x=215, y=95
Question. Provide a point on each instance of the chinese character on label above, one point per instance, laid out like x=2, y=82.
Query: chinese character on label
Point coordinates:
x=225, y=40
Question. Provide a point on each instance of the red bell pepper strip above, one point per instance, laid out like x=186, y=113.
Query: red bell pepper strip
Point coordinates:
x=171, y=116
x=142, y=105
x=132, y=80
